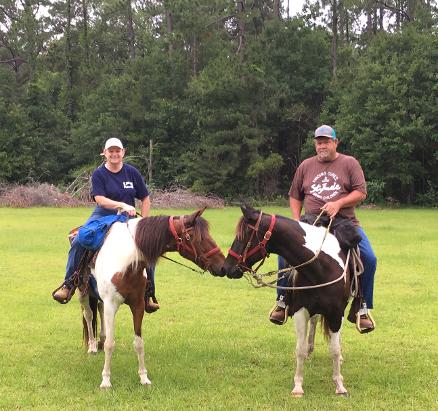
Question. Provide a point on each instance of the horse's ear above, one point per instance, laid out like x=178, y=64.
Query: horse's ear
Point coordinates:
x=192, y=217
x=248, y=212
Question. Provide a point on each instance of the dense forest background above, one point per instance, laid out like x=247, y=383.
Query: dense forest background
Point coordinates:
x=228, y=92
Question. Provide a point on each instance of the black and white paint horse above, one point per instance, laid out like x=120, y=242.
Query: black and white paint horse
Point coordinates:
x=258, y=234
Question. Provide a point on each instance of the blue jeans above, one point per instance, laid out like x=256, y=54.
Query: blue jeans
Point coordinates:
x=77, y=251
x=369, y=261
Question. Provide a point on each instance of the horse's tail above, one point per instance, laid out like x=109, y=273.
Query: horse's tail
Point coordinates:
x=93, y=305
x=325, y=328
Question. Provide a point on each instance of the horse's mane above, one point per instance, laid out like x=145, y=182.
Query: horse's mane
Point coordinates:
x=240, y=228
x=200, y=230
x=152, y=235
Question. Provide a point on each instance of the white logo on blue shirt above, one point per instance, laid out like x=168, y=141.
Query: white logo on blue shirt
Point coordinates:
x=128, y=184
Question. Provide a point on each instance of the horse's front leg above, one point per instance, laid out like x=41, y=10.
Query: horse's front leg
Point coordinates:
x=335, y=351
x=110, y=311
x=301, y=320
x=89, y=337
x=312, y=332
x=137, y=309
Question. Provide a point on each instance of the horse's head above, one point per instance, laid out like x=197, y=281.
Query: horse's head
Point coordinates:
x=252, y=233
x=194, y=242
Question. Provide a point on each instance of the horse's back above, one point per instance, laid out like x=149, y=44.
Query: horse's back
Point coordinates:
x=118, y=251
x=317, y=239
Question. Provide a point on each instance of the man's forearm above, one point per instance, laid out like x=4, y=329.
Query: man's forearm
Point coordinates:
x=352, y=199
x=145, y=207
x=295, y=207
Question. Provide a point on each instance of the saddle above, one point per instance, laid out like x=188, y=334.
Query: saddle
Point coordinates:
x=83, y=279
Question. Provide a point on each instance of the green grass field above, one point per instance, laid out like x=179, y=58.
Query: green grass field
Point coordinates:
x=211, y=346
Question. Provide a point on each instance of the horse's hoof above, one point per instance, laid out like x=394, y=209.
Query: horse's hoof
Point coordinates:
x=145, y=381
x=297, y=394
x=343, y=394
x=105, y=385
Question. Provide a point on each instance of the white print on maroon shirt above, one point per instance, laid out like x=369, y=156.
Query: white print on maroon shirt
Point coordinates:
x=325, y=186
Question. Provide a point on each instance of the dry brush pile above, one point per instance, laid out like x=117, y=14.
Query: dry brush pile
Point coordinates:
x=78, y=195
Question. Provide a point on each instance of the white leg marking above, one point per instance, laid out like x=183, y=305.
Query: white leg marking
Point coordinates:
x=142, y=372
x=301, y=320
x=335, y=351
x=109, y=316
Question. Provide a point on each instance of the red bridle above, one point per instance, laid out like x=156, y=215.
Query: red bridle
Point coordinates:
x=261, y=246
x=184, y=242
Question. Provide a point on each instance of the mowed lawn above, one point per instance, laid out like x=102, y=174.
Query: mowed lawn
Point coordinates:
x=211, y=346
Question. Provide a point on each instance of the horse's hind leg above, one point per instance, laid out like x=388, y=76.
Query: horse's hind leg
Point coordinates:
x=102, y=334
x=301, y=320
x=335, y=351
x=138, y=313
x=312, y=332
x=88, y=314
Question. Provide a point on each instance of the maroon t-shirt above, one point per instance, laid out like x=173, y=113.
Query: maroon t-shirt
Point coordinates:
x=316, y=183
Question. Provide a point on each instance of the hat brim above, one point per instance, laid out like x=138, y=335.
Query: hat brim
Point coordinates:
x=324, y=135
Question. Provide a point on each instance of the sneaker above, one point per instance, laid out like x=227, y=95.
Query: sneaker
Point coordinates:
x=151, y=306
x=63, y=295
x=278, y=315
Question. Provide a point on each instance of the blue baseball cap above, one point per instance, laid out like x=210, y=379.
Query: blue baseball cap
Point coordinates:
x=325, y=131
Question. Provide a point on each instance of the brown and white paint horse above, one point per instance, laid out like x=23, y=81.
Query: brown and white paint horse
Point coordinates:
x=121, y=276
x=258, y=234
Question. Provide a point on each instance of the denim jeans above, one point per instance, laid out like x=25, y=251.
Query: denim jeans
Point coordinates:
x=369, y=261
x=77, y=251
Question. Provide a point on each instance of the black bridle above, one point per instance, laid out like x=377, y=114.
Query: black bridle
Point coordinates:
x=260, y=247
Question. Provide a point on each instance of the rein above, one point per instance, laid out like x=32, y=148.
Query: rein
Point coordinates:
x=241, y=259
x=184, y=265
x=261, y=283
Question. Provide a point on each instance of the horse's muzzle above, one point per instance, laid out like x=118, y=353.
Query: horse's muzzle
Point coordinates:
x=234, y=274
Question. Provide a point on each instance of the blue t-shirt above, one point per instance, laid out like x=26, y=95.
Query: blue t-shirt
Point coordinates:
x=125, y=185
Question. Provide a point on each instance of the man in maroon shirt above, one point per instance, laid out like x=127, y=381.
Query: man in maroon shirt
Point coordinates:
x=335, y=183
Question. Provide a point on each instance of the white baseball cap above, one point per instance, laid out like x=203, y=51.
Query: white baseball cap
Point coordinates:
x=113, y=142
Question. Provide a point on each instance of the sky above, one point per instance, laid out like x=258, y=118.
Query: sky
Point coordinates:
x=295, y=6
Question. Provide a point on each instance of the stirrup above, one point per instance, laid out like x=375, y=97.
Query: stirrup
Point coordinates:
x=369, y=317
x=71, y=291
x=280, y=304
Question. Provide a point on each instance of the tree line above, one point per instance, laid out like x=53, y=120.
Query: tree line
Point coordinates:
x=229, y=92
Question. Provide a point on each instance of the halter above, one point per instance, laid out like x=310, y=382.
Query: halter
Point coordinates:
x=261, y=246
x=184, y=242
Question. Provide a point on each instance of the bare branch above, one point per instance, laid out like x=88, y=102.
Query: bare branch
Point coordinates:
x=7, y=14
x=389, y=7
